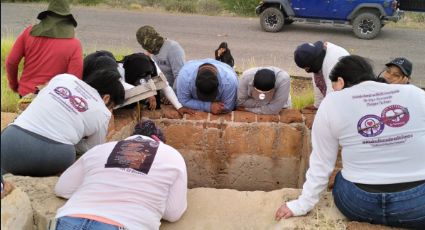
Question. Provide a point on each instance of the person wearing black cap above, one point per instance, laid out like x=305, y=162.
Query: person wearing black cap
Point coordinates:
x=207, y=85
x=49, y=48
x=319, y=58
x=380, y=130
x=397, y=71
x=264, y=90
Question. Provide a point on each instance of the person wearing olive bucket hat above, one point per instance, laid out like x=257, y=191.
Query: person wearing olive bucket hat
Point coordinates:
x=49, y=48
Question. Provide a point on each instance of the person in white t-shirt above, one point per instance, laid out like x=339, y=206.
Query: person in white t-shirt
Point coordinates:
x=135, y=69
x=319, y=58
x=68, y=115
x=381, y=129
x=129, y=184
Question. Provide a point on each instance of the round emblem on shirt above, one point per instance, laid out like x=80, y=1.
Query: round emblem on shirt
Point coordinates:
x=79, y=103
x=63, y=92
x=261, y=96
x=154, y=144
x=395, y=116
x=370, y=126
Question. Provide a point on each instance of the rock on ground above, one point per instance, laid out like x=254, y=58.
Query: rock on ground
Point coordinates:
x=16, y=211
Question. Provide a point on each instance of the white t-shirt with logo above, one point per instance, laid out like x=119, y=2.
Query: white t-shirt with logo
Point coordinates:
x=333, y=54
x=128, y=183
x=67, y=110
x=381, y=129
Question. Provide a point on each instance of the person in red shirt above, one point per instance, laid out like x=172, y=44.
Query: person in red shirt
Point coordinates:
x=49, y=48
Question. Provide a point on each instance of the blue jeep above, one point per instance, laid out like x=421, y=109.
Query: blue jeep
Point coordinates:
x=367, y=17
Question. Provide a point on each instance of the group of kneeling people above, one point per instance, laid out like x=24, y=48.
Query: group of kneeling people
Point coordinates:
x=136, y=182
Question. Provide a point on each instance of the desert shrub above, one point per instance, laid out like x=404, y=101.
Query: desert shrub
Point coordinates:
x=88, y=2
x=242, y=7
x=210, y=7
x=184, y=6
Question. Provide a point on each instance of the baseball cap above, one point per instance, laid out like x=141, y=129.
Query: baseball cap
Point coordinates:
x=306, y=53
x=207, y=82
x=402, y=63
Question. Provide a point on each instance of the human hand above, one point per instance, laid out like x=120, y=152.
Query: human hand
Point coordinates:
x=283, y=212
x=310, y=107
x=184, y=110
x=152, y=103
x=221, y=51
x=217, y=107
x=165, y=101
x=240, y=108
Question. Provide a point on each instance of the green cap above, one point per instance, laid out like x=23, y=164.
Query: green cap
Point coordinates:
x=149, y=39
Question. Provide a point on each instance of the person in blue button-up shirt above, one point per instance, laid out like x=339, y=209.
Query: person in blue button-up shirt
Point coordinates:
x=207, y=85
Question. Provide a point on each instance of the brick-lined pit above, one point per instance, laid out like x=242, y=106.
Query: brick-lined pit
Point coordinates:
x=239, y=150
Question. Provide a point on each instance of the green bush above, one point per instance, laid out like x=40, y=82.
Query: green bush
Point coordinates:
x=184, y=6
x=150, y=2
x=242, y=7
x=210, y=7
x=88, y=2
x=9, y=99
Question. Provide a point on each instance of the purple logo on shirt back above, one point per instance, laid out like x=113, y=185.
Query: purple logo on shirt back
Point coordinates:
x=63, y=92
x=395, y=116
x=79, y=103
x=370, y=126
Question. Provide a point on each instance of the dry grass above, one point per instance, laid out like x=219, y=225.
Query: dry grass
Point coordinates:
x=9, y=98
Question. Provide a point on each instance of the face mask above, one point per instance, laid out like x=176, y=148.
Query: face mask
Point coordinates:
x=262, y=95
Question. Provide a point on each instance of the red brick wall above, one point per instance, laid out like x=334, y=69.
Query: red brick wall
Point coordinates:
x=239, y=150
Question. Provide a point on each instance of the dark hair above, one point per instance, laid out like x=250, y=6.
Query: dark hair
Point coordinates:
x=98, y=60
x=107, y=81
x=226, y=56
x=138, y=66
x=353, y=69
x=223, y=45
x=148, y=128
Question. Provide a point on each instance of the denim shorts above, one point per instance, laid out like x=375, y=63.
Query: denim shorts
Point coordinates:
x=76, y=223
x=398, y=209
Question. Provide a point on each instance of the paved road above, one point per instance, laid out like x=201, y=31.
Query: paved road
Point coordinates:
x=200, y=35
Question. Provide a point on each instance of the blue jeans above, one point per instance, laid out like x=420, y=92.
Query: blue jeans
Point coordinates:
x=398, y=209
x=75, y=223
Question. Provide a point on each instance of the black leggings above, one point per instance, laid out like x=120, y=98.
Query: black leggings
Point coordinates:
x=29, y=154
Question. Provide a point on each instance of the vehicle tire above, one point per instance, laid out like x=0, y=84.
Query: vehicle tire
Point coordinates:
x=288, y=21
x=366, y=25
x=272, y=19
